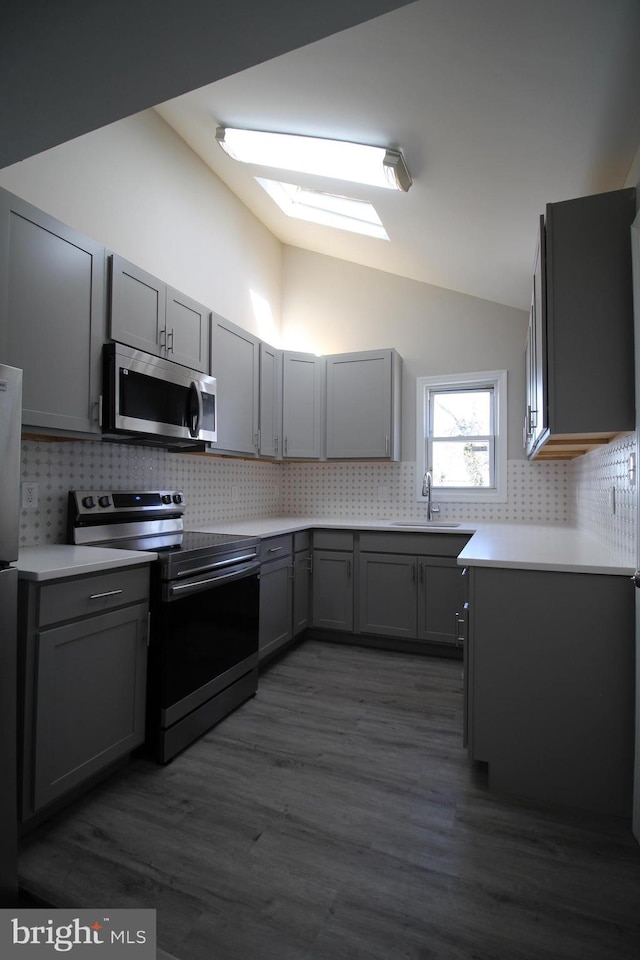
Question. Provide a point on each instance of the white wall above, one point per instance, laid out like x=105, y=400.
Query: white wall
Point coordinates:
x=330, y=306
x=136, y=187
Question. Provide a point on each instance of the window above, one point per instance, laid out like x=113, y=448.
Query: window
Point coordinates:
x=462, y=435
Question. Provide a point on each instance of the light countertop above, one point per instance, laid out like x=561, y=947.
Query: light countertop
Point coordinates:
x=53, y=561
x=528, y=546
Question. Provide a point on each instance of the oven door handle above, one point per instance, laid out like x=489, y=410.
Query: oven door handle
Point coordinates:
x=214, y=566
x=174, y=591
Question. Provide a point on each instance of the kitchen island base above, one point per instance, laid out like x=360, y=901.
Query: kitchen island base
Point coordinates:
x=550, y=685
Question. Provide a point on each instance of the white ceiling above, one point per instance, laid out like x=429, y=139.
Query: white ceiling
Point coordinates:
x=499, y=107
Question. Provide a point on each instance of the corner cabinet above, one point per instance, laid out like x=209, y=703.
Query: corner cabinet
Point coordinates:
x=52, y=317
x=83, y=656
x=302, y=405
x=148, y=315
x=363, y=405
x=270, y=418
x=579, y=355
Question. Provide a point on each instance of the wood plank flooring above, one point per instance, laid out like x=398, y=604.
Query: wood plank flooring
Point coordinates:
x=335, y=816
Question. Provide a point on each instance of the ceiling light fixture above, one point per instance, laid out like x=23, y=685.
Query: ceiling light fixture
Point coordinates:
x=358, y=216
x=338, y=159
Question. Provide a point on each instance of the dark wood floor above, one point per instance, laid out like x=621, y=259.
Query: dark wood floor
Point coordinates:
x=336, y=817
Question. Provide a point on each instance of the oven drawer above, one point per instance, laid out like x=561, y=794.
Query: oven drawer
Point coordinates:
x=84, y=596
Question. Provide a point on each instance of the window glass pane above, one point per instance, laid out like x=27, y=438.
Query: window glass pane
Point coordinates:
x=462, y=413
x=460, y=464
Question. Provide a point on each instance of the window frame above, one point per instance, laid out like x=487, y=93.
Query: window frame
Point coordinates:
x=496, y=379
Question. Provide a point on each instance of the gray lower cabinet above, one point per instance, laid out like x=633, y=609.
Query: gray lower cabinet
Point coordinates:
x=83, y=657
x=275, y=594
x=441, y=599
x=387, y=595
x=149, y=315
x=333, y=580
x=410, y=586
x=52, y=317
x=550, y=689
x=418, y=598
x=302, y=571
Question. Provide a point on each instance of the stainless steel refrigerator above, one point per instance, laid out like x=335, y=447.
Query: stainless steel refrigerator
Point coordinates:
x=10, y=426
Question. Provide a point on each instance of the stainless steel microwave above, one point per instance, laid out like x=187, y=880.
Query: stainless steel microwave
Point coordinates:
x=146, y=399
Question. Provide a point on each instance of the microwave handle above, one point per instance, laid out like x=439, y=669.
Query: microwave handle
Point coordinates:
x=194, y=428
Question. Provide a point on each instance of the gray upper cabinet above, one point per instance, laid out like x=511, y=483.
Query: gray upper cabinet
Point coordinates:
x=270, y=432
x=302, y=396
x=148, y=315
x=235, y=363
x=580, y=368
x=52, y=317
x=363, y=405
x=188, y=331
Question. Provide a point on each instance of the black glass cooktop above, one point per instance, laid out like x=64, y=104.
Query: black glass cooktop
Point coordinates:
x=186, y=542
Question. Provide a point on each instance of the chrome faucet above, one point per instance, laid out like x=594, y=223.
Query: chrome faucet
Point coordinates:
x=427, y=485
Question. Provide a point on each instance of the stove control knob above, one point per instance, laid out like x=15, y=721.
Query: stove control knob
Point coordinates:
x=177, y=498
x=166, y=498
x=104, y=501
x=88, y=502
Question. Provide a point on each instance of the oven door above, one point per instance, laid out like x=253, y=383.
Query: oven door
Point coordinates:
x=145, y=395
x=206, y=637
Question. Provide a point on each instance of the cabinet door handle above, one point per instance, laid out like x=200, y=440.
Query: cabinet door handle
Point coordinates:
x=170, y=334
x=162, y=339
x=109, y=593
x=349, y=567
x=386, y=444
x=413, y=571
x=286, y=446
x=276, y=442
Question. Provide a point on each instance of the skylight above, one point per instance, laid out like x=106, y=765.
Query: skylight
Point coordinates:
x=331, y=210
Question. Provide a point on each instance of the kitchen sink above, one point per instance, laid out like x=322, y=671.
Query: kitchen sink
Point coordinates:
x=422, y=523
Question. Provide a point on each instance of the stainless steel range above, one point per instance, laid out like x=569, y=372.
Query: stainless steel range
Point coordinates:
x=203, y=652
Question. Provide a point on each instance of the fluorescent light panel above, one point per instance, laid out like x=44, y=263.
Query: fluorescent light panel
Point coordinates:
x=345, y=213
x=355, y=162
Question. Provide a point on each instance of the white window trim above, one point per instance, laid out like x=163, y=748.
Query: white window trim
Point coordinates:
x=495, y=378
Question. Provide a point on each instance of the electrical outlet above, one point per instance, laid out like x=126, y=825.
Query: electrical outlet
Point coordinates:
x=29, y=496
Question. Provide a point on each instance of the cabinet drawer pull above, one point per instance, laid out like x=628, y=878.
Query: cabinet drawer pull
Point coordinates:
x=109, y=593
x=274, y=549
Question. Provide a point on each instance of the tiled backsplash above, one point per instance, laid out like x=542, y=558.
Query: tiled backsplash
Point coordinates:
x=536, y=492
x=215, y=488
x=218, y=488
x=593, y=477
